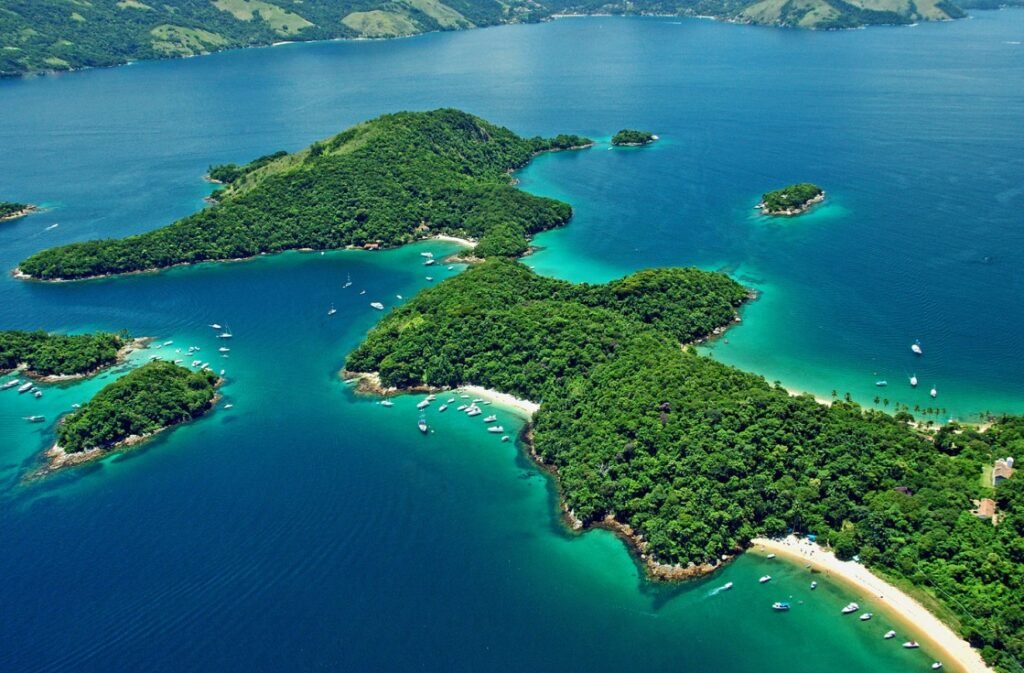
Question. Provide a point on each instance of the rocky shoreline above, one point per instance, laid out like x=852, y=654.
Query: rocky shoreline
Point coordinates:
x=131, y=346
x=791, y=212
x=21, y=213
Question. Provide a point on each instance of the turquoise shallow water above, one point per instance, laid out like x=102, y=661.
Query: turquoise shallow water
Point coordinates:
x=308, y=529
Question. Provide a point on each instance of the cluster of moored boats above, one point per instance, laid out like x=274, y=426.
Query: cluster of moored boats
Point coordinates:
x=379, y=306
x=848, y=609
x=470, y=408
x=25, y=387
x=916, y=350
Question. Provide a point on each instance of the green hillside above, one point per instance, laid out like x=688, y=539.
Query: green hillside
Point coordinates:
x=66, y=34
x=389, y=181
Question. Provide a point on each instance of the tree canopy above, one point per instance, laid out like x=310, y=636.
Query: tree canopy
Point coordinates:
x=58, y=354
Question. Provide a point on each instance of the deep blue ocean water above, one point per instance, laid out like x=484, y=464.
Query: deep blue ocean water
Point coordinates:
x=307, y=529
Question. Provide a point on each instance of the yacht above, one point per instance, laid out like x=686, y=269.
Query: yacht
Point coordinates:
x=782, y=607
x=224, y=335
x=348, y=280
x=770, y=556
x=727, y=586
x=765, y=578
x=881, y=384
x=934, y=392
x=423, y=405
x=214, y=325
x=35, y=419
x=25, y=388
x=814, y=585
x=850, y=607
x=889, y=635
x=911, y=645
x=377, y=305
x=224, y=349
x=866, y=616
x=936, y=666
x=490, y=419
x=430, y=278
x=461, y=407
x=429, y=261
x=387, y=403
x=916, y=347
x=442, y=407
x=422, y=425
x=473, y=411
x=332, y=310
x=10, y=384
x=913, y=381
x=496, y=429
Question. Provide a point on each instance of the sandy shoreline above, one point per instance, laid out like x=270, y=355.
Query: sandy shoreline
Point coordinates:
x=525, y=407
x=955, y=652
x=369, y=383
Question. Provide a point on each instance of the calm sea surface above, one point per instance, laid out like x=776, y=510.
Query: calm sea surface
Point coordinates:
x=306, y=529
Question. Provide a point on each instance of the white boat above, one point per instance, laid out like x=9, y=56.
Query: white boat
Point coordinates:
x=10, y=384
x=881, y=384
x=377, y=305
x=496, y=429
x=428, y=262
x=850, y=607
x=913, y=381
x=936, y=666
x=35, y=419
x=224, y=335
x=25, y=388
x=477, y=400
x=889, y=635
x=442, y=407
x=770, y=556
x=398, y=296
x=450, y=400
x=422, y=425
x=76, y=405
x=431, y=397
x=780, y=606
x=866, y=616
x=916, y=347
x=423, y=405
x=228, y=406
x=178, y=361
x=332, y=310
x=473, y=411
x=214, y=325
x=464, y=396
x=490, y=419
x=765, y=578
x=168, y=343
x=934, y=392
x=450, y=267
x=196, y=363
x=426, y=254
x=38, y=394
x=461, y=407
x=224, y=349
x=814, y=585
x=727, y=586
x=348, y=280
x=430, y=278
x=504, y=438
x=362, y=292
x=387, y=403
x=911, y=645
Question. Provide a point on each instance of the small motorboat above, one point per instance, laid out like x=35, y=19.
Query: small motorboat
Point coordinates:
x=224, y=335
x=866, y=616
x=387, y=403
x=224, y=349
x=398, y=296
x=428, y=262
x=881, y=384
x=10, y=384
x=229, y=406
x=490, y=419
x=916, y=347
x=451, y=400
x=936, y=665
x=504, y=438
x=889, y=635
x=426, y=254
x=913, y=381
x=814, y=585
x=332, y=310
x=25, y=388
x=727, y=586
x=430, y=278
x=215, y=325
x=461, y=407
x=422, y=425
x=496, y=429
x=377, y=305
x=850, y=607
x=348, y=281
x=35, y=419
x=442, y=407
x=423, y=405
x=38, y=394
x=765, y=578
x=770, y=556
x=911, y=645
x=362, y=292
x=780, y=606
x=934, y=392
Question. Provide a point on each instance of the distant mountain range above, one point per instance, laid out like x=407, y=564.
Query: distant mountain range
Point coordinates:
x=69, y=34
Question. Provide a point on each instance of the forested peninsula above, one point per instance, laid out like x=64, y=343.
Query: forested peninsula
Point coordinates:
x=61, y=356
x=43, y=35
x=689, y=459
x=12, y=211
x=143, y=402
x=386, y=182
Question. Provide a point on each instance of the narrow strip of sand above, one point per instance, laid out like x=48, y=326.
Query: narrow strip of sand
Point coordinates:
x=525, y=406
x=464, y=242
x=957, y=653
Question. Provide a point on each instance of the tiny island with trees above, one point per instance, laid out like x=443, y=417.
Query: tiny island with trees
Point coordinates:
x=389, y=181
x=143, y=402
x=12, y=211
x=633, y=138
x=61, y=356
x=792, y=200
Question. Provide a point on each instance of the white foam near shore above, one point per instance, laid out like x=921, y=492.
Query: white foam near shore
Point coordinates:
x=526, y=407
x=957, y=653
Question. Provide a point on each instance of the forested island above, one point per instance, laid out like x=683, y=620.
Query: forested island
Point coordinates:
x=633, y=138
x=143, y=402
x=62, y=356
x=792, y=200
x=11, y=211
x=393, y=180
x=42, y=35
x=689, y=459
